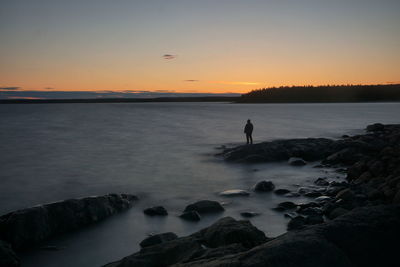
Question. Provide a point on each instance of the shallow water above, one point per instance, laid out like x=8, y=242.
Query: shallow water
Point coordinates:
x=162, y=152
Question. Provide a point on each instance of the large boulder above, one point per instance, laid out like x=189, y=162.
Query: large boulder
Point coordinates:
x=205, y=206
x=27, y=227
x=294, y=161
x=8, y=258
x=158, y=239
x=264, y=186
x=156, y=211
x=225, y=237
x=234, y=193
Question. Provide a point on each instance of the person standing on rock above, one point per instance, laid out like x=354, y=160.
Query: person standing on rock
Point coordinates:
x=248, y=130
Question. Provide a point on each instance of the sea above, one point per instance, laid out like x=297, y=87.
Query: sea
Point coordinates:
x=165, y=153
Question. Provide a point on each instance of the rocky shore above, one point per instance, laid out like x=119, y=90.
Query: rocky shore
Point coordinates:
x=353, y=222
x=350, y=223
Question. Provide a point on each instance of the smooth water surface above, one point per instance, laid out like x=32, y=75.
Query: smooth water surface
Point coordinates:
x=162, y=152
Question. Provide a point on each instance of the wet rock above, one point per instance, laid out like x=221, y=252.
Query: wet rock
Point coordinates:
x=313, y=194
x=314, y=219
x=249, y=214
x=346, y=195
x=264, y=186
x=190, y=216
x=154, y=211
x=323, y=199
x=375, y=127
x=158, y=239
x=205, y=206
x=321, y=182
x=337, y=212
x=28, y=227
x=296, y=161
x=287, y=205
x=234, y=193
x=296, y=223
x=310, y=211
x=292, y=194
x=8, y=258
x=281, y=191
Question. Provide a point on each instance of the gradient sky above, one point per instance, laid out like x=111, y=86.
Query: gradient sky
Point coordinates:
x=197, y=46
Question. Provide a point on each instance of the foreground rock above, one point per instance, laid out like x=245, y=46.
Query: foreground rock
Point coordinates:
x=264, y=186
x=156, y=211
x=234, y=193
x=8, y=258
x=226, y=236
x=158, y=239
x=28, y=227
x=365, y=237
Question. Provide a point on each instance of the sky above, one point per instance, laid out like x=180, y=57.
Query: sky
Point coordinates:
x=196, y=46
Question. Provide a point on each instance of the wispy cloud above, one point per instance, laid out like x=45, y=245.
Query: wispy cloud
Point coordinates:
x=191, y=80
x=169, y=56
x=235, y=83
x=11, y=88
x=49, y=88
x=24, y=97
x=398, y=82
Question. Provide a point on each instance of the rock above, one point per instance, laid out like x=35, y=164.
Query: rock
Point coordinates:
x=292, y=194
x=224, y=237
x=249, y=214
x=337, y=212
x=296, y=161
x=205, y=206
x=313, y=194
x=158, y=210
x=287, y=205
x=346, y=195
x=296, y=223
x=347, y=155
x=28, y=227
x=264, y=186
x=365, y=237
x=375, y=127
x=281, y=191
x=190, y=216
x=322, y=199
x=158, y=239
x=234, y=193
x=321, y=182
x=229, y=231
x=314, y=219
x=8, y=258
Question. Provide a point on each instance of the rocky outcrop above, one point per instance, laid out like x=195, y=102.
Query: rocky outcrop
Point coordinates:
x=8, y=258
x=364, y=237
x=156, y=211
x=205, y=206
x=27, y=227
x=158, y=239
x=226, y=236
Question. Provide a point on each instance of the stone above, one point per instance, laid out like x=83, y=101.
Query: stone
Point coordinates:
x=154, y=211
x=158, y=239
x=313, y=194
x=190, y=216
x=337, y=212
x=287, y=205
x=314, y=219
x=345, y=194
x=29, y=227
x=8, y=258
x=249, y=214
x=281, y=191
x=205, y=206
x=264, y=186
x=375, y=127
x=234, y=193
x=321, y=182
x=297, y=161
x=296, y=223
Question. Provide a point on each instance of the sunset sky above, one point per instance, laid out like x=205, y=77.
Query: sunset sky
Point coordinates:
x=203, y=46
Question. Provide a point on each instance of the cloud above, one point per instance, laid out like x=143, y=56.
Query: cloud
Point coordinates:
x=24, y=97
x=11, y=88
x=49, y=88
x=169, y=56
x=398, y=82
x=234, y=83
x=190, y=80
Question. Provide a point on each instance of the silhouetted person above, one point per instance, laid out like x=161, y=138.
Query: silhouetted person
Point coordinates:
x=248, y=130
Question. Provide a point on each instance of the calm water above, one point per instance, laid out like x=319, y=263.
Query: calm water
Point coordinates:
x=162, y=152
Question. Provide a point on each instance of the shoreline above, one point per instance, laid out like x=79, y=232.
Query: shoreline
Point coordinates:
x=331, y=200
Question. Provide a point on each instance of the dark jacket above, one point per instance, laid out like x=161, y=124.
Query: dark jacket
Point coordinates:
x=248, y=129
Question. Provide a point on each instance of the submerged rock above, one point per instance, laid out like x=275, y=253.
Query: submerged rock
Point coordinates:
x=234, y=193
x=281, y=191
x=264, y=186
x=158, y=239
x=158, y=210
x=28, y=227
x=249, y=214
x=297, y=161
x=205, y=206
x=190, y=216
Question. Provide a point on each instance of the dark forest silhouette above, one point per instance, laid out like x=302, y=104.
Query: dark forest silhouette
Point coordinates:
x=324, y=93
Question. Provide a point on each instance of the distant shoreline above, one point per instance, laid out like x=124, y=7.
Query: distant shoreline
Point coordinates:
x=233, y=100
